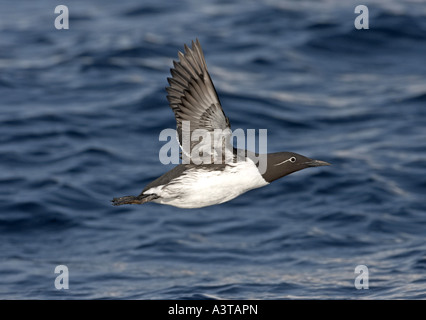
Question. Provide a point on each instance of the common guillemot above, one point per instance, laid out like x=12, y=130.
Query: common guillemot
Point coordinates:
x=193, y=98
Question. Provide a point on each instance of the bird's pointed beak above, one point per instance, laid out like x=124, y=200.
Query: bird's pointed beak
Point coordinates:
x=317, y=163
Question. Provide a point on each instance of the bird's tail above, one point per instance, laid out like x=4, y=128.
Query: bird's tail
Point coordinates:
x=134, y=200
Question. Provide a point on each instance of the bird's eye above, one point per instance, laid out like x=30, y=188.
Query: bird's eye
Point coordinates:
x=293, y=159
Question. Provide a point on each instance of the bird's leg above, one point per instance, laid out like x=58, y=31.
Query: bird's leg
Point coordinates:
x=134, y=200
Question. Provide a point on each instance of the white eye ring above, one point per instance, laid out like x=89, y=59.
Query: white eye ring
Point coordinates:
x=292, y=160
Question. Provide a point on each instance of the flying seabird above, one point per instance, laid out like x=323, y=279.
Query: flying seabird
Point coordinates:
x=194, y=101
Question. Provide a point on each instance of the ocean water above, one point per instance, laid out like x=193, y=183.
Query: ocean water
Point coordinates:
x=80, y=115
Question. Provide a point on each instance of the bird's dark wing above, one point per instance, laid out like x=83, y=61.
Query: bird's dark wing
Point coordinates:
x=193, y=98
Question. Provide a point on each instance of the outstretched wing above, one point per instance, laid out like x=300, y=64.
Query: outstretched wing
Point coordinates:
x=194, y=101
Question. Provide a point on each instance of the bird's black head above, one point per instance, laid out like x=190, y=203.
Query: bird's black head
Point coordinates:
x=281, y=164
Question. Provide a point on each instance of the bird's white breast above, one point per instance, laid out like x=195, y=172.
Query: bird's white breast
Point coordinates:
x=202, y=187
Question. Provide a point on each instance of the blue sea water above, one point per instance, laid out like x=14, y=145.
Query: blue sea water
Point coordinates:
x=80, y=115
